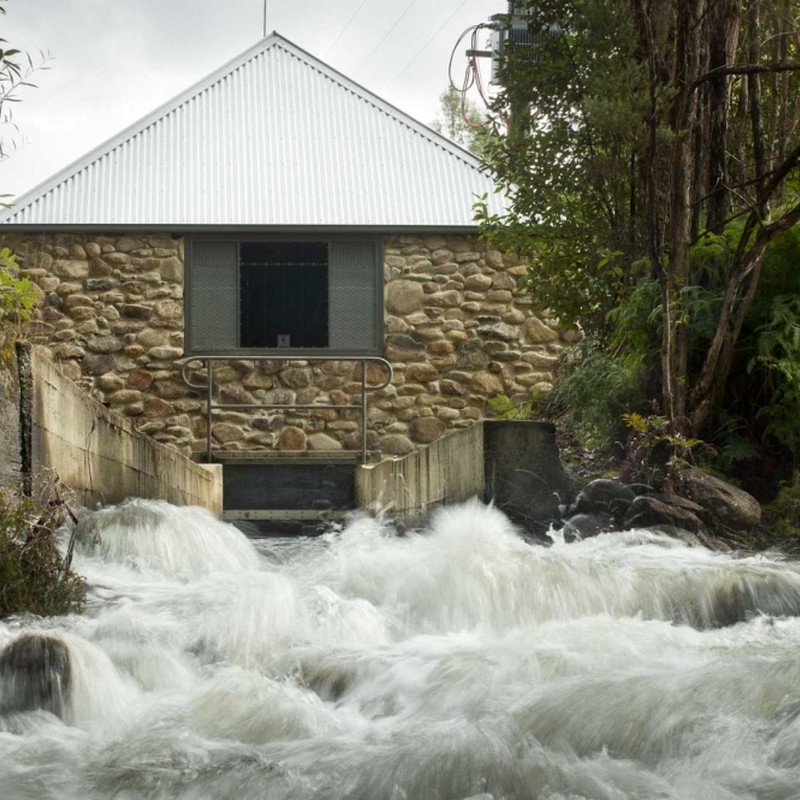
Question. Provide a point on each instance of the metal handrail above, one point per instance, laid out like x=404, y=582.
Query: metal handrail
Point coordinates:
x=211, y=406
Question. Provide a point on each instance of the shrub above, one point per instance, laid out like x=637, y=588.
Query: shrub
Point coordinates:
x=34, y=576
x=593, y=392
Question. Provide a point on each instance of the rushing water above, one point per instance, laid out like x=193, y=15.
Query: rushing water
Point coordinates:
x=456, y=662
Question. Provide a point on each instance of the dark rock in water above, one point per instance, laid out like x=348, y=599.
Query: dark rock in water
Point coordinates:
x=724, y=505
x=35, y=674
x=604, y=495
x=767, y=596
x=687, y=537
x=584, y=526
x=650, y=512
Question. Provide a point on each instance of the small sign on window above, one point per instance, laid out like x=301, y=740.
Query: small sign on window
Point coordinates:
x=284, y=340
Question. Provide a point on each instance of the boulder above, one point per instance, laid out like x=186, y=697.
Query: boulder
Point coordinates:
x=605, y=495
x=652, y=512
x=723, y=505
x=584, y=526
x=35, y=673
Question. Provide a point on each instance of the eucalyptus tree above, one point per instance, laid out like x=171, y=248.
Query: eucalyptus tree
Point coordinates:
x=635, y=131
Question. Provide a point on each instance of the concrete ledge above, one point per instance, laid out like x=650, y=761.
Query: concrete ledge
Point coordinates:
x=98, y=454
x=515, y=464
x=447, y=471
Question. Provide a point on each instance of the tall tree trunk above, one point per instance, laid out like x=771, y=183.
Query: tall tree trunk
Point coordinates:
x=723, y=30
x=674, y=280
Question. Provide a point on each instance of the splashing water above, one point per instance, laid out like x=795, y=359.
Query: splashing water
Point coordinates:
x=456, y=662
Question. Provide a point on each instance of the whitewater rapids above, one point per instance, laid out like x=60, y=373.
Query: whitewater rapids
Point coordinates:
x=454, y=662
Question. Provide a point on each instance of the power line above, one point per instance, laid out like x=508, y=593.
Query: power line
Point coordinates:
x=388, y=33
x=427, y=44
x=342, y=31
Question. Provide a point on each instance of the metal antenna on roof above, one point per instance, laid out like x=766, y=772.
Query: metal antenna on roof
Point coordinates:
x=265, y=18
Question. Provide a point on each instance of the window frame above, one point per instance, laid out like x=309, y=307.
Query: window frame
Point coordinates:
x=284, y=353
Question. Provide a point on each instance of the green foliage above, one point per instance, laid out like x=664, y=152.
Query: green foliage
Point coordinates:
x=460, y=121
x=778, y=353
x=504, y=408
x=577, y=116
x=18, y=296
x=18, y=299
x=16, y=69
x=34, y=577
x=781, y=518
x=592, y=393
x=607, y=191
x=654, y=430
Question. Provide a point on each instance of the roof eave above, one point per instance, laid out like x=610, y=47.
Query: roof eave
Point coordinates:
x=180, y=229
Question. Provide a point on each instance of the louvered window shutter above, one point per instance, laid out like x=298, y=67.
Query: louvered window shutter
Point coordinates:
x=212, y=314
x=353, y=291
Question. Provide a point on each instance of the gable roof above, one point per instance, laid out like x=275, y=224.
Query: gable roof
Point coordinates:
x=273, y=139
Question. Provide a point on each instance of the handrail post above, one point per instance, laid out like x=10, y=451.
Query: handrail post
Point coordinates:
x=363, y=411
x=209, y=394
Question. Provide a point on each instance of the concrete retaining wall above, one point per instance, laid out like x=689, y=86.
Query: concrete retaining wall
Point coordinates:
x=97, y=453
x=514, y=464
x=449, y=470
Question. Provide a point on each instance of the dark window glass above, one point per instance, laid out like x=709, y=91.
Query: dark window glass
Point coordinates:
x=283, y=294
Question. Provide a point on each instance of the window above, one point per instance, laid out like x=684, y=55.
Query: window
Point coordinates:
x=284, y=297
x=283, y=294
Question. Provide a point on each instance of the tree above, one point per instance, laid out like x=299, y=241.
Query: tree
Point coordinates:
x=460, y=121
x=16, y=69
x=651, y=127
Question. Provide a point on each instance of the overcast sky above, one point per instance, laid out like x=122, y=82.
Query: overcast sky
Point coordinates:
x=113, y=61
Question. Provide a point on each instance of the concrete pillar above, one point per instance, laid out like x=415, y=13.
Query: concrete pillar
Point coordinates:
x=523, y=472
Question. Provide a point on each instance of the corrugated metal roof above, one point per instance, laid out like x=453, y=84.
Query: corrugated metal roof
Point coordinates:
x=273, y=138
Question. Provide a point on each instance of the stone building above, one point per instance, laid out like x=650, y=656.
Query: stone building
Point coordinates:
x=273, y=213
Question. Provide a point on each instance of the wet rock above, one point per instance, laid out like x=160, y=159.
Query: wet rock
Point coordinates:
x=584, y=526
x=687, y=537
x=35, y=673
x=648, y=512
x=604, y=495
x=724, y=505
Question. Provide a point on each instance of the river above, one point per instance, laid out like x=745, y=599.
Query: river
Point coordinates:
x=459, y=661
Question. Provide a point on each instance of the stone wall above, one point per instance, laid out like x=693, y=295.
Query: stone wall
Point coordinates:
x=458, y=331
